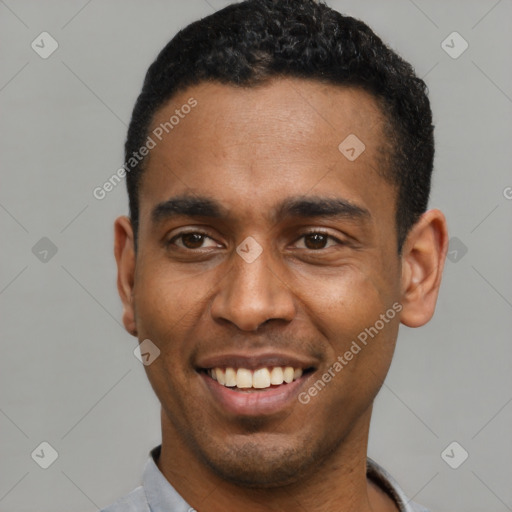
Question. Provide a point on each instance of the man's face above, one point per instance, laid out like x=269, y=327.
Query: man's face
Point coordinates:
x=296, y=294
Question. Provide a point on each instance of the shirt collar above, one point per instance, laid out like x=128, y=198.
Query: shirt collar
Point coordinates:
x=160, y=494
x=386, y=482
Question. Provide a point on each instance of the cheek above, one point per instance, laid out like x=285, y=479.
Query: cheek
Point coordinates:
x=344, y=301
x=357, y=314
x=169, y=303
x=167, y=309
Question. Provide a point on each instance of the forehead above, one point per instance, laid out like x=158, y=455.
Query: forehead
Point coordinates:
x=255, y=144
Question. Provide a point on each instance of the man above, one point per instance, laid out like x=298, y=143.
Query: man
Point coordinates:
x=278, y=165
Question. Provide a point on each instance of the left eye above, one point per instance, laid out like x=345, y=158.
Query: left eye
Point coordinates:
x=316, y=240
x=192, y=240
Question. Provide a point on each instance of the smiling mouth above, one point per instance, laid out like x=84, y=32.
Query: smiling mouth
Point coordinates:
x=260, y=379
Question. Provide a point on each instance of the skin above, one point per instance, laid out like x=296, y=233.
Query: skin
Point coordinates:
x=249, y=149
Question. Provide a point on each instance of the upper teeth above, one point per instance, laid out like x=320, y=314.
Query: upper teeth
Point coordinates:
x=259, y=379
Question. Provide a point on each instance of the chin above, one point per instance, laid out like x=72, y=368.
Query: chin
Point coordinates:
x=263, y=465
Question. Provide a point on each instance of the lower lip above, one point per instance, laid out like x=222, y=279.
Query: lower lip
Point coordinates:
x=255, y=403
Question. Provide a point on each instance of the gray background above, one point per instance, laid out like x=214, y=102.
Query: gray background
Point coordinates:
x=69, y=376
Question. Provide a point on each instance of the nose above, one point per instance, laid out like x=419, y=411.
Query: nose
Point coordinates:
x=251, y=294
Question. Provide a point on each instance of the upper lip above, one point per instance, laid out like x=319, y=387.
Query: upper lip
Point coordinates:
x=254, y=360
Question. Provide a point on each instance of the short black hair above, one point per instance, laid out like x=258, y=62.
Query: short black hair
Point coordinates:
x=251, y=42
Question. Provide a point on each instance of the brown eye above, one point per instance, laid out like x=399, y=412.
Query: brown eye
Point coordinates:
x=192, y=240
x=315, y=240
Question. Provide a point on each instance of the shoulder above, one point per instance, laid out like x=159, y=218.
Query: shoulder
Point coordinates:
x=133, y=502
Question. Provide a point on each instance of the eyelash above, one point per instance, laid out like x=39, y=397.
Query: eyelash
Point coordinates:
x=306, y=233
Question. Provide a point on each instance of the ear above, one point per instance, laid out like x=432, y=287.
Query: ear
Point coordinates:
x=423, y=257
x=124, y=252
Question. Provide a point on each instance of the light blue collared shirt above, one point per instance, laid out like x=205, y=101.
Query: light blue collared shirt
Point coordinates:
x=156, y=494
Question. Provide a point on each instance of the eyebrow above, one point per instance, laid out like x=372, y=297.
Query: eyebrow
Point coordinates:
x=299, y=206
x=314, y=206
x=188, y=206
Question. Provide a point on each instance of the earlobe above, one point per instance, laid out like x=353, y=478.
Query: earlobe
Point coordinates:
x=423, y=258
x=125, y=258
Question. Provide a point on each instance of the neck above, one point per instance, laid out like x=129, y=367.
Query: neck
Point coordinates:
x=335, y=484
